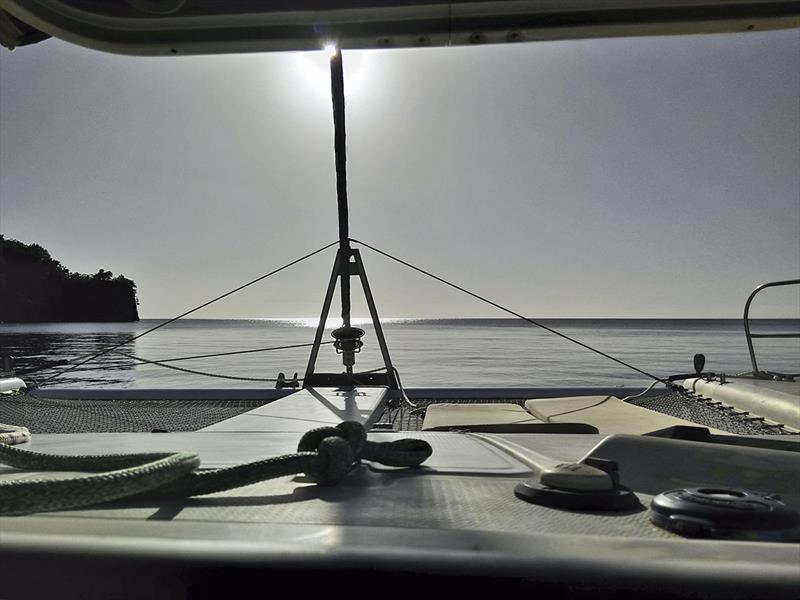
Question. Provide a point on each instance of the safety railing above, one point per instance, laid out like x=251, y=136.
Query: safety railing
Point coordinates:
x=750, y=336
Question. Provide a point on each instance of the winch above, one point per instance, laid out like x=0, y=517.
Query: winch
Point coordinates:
x=348, y=343
x=726, y=512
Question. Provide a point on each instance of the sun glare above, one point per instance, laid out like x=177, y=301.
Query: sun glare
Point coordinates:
x=330, y=323
x=330, y=49
x=314, y=69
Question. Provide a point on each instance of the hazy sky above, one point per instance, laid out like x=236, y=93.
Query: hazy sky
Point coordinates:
x=652, y=177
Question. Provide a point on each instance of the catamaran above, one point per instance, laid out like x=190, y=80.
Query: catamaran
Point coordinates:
x=687, y=488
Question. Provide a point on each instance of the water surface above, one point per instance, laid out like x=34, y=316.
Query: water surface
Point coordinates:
x=428, y=353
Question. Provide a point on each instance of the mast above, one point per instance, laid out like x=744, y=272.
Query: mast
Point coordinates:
x=339, y=145
x=347, y=264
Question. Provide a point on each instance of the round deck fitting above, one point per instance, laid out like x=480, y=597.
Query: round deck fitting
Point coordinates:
x=722, y=512
x=619, y=499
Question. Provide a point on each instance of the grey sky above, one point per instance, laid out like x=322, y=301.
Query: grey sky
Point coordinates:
x=653, y=177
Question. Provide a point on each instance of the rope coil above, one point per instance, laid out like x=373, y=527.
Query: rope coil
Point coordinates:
x=326, y=455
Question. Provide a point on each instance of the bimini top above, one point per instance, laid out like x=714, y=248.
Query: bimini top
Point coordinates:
x=165, y=27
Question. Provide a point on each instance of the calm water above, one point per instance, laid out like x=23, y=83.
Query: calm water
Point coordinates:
x=428, y=353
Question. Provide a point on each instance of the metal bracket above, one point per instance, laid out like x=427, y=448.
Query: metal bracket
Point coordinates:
x=344, y=267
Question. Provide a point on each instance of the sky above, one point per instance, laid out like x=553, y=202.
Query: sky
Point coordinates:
x=639, y=177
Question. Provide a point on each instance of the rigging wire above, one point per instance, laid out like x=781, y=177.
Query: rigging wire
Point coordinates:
x=58, y=363
x=191, y=371
x=216, y=354
x=509, y=311
x=160, y=363
x=83, y=361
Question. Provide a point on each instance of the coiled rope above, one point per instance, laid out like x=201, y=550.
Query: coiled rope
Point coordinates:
x=326, y=455
x=12, y=434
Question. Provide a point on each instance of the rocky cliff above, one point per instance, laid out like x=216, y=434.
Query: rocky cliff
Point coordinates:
x=34, y=287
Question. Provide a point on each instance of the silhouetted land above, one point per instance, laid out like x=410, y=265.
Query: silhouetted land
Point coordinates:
x=36, y=288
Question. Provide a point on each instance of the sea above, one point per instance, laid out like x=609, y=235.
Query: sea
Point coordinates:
x=426, y=352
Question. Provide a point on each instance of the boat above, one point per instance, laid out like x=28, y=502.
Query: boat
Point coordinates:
x=688, y=488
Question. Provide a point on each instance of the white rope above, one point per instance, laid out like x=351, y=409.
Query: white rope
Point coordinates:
x=640, y=394
x=604, y=400
x=12, y=434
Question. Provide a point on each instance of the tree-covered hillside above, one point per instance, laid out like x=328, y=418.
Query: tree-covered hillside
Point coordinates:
x=34, y=287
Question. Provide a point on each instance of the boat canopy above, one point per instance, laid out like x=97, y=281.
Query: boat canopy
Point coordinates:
x=167, y=27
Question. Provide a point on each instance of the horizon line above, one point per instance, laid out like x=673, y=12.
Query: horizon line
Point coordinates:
x=454, y=318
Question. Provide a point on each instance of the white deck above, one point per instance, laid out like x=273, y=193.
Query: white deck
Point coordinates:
x=310, y=408
x=608, y=413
